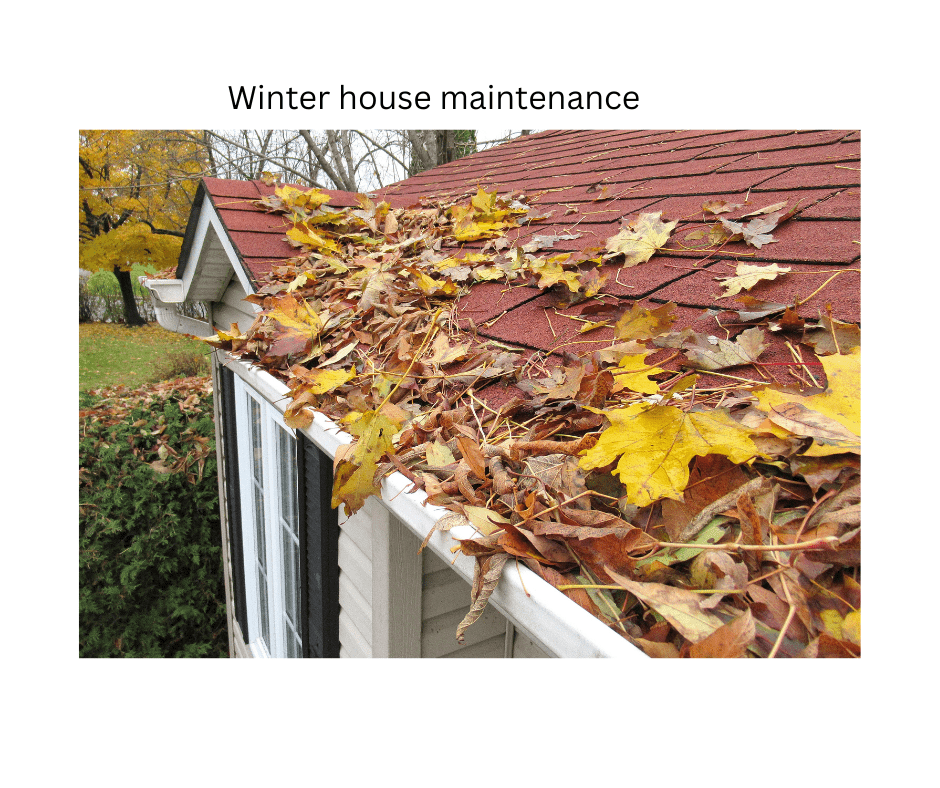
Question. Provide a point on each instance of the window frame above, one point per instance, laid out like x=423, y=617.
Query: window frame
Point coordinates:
x=272, y=486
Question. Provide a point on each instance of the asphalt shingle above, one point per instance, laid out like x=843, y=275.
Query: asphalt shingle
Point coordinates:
x=593, y=181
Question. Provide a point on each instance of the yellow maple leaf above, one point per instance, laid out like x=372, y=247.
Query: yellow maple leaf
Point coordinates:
x=841, y=402
x=641, y=239
x=488, y=273
x=308, y=383
x=550, y=273
x=304, y=235
x=486, y=216
x=295, y=198
x=321, y=381
x=354, y=474
x=638, y=323
x=655, y=444
x=635, y=375
x=431, y=286
x=232, y=339
x=299, y=324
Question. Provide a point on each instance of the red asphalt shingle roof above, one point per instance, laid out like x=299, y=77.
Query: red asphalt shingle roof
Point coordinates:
x=591, y=180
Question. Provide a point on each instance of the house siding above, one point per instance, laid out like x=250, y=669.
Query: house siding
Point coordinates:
x=232, y=308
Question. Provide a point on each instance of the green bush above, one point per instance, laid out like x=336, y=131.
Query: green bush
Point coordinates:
x=150, y=566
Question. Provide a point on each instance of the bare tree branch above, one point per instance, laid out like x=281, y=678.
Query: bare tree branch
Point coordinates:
x=324, y=163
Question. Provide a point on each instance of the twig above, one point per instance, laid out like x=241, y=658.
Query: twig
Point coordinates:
x=812, y=510
x=787, y=622
x=799, y=356
x=736, y=546
x=816, y=291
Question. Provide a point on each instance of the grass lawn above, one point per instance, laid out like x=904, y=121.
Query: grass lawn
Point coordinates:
x=110, y=354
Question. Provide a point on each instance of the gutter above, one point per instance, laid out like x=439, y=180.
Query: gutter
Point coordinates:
x=167, y=295
x=532, y=605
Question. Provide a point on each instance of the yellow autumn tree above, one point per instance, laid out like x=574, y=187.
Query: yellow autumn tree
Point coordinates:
x=135, y=192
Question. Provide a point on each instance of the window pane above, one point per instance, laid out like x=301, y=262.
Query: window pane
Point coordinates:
x=254, y=416
x=263, y=606
x=291, y=615
x=292, y=643
x=288, y=479
x=290, y=546
x=257, y=488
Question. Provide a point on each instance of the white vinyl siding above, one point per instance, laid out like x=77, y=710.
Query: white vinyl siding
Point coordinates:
x=232, y=308
x=412, y=607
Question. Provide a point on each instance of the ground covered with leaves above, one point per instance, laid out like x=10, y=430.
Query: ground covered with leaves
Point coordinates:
x=150, y=558
x=719, y=521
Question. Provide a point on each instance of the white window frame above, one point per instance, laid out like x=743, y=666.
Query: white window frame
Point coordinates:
x=271, y=423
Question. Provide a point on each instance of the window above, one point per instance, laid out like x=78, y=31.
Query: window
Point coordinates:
x=270, y=526
x=283, y=536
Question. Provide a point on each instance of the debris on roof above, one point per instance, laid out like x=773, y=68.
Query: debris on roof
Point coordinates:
x=630, y=359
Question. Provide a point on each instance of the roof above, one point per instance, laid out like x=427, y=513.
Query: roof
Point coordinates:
x=594, y=181
x=574, y=436
x=257, y=237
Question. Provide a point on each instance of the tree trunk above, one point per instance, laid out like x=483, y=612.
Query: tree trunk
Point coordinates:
x=131, y=315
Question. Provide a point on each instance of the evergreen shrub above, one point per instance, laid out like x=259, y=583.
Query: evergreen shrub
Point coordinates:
x=150, y=558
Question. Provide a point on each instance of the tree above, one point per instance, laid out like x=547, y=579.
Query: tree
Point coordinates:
x=135, y=193
x=345, y=159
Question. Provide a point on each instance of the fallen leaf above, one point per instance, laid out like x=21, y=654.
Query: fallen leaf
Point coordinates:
x=767, y=209
x=832, y=336
x=728, y=641
x=299, y=324
x=640, y=239
x=681, y=608
x=655, y=443
x=551, y=273
x=353, y=477
x=634, y=373
x=746, y=276
x=719, y=206
x=841, y=401
x=439, y=455
x=800, y=420
x=484, y=520
x=486, y=576
x=756, y=309
x=639, y=323
x=712, y=353
x=320, y=381
x=547, y=241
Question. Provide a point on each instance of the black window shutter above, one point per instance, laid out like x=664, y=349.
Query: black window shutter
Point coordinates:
x=319, y=552
x=233, y=509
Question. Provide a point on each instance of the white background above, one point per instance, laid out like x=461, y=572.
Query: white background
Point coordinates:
x=694, y=65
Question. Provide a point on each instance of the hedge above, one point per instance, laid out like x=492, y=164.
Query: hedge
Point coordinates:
x=150, y=557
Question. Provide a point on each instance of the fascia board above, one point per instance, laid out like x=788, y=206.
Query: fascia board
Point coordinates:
x=533, y=605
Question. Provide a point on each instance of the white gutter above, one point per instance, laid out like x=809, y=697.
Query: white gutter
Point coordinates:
x=166, y=295
x=531, y=604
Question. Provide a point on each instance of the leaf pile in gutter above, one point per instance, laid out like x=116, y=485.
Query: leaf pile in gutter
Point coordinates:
x=704, y=522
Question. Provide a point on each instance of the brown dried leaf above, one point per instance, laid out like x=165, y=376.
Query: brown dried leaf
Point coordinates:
x=712, y=353
x=719, y=206
x=729, y=641
x=832, y=336
x=681, y=608
x=486, y=576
